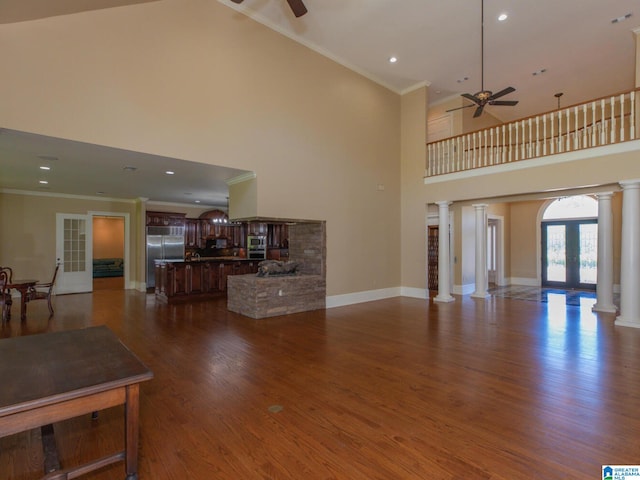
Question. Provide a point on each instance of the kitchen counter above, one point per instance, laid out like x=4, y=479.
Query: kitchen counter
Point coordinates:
x=188, y=280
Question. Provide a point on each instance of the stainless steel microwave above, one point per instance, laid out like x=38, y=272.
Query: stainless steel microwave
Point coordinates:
x=256, y=242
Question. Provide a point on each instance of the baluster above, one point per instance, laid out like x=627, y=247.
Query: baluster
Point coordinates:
x=452, y=160
x=483, y=146
x=622, y=117
x=559, y=131
x=516, y=145
x=428, y=160
x=568, y=137
x=613, y=120
x=594, y=122
x=491, y=146
x=465, y=147
x=524, y=140
x=473, y=137
x=503, y=145
x=603, y=121
x=510, y=146
x=576, y=117
x=537, y=142
x=585, y=132
x=552, y=145
x=544, y=134
x=632, y=116
x=529, y=143
x=456, y=153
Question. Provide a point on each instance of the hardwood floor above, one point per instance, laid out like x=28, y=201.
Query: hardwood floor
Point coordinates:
x=393, y=389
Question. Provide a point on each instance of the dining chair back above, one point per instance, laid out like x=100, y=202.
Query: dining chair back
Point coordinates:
x=5, y=292
x=43, y=291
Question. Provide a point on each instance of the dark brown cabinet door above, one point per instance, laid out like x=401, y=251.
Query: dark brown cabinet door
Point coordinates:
x=192, y=232
x=196, y=278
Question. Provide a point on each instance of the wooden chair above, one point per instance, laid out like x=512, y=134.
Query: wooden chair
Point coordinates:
x=5, y=293
x=43, y=291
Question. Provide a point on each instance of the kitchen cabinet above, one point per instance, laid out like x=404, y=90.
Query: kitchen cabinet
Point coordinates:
x=165, y=219
x=185, y=281
x=257, y=228
x=278, y=235
x=192, y=233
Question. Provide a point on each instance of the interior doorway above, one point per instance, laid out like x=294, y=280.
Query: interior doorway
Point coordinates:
x=108, y=259
x=432, y=258
x=570, y=243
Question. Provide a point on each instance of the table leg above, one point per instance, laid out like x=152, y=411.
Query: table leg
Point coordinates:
x=132, y=419
x=23, y=305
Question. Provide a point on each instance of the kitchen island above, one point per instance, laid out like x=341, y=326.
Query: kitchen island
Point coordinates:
x=198, y=279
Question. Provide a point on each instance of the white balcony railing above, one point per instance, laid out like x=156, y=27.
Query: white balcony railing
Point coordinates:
x=596, y=123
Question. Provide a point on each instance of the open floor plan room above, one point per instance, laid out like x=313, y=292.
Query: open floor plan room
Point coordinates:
x=393, y=389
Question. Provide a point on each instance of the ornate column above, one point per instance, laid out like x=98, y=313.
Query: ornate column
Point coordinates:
x=444, y=282
x=481, y=251
x=604, y=289
x=630, y=256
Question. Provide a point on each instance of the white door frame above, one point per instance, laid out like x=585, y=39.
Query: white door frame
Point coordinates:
x=499, y=222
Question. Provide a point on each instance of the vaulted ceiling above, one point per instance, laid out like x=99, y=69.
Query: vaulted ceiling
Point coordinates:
x=582, y=48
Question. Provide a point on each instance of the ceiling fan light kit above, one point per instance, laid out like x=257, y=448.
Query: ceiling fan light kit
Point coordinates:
x=485, y=97
x=297, y=6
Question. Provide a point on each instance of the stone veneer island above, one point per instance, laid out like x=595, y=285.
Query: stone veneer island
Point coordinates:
x=269, y=296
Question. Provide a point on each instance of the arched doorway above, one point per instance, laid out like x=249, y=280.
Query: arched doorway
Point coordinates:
x=570, y=243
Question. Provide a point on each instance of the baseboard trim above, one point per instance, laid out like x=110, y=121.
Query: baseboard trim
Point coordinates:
x=361, y=297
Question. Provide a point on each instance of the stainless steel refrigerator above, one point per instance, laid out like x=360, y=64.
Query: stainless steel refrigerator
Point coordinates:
x=163, y=243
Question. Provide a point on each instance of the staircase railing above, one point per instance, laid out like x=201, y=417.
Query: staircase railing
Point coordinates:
x=604, y=121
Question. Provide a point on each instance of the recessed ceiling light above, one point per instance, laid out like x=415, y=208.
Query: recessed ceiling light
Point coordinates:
x=539, y=72
x=43, y=182
x=393, y=59
x=197, y=201
x=129, y=168
x=502, y=17
x=170, y=172
x=463, y=79
x=100, y=193
x=44, y=167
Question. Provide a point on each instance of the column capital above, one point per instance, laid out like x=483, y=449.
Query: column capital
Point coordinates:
x=634, y=183
x=600, y=195
x=443, y=203
x=478, y=206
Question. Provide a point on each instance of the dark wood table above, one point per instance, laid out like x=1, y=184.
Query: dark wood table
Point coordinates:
x=51, y=377
x=23, y=287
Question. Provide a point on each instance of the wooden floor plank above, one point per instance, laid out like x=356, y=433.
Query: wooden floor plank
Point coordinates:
x=395, y=389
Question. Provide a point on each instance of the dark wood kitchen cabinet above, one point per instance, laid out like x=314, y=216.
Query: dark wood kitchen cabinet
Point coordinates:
x=196, y=280
x=192, y=233
x=165, y=219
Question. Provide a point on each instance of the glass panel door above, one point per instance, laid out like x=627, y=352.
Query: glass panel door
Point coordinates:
x=569, y=254
x=556, y=251
x=73, y=250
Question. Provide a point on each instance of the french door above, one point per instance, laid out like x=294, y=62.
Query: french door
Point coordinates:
x=569, y=253
x=74, y=253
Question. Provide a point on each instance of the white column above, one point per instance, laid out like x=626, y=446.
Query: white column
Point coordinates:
x=444, y=282
x=604, y=289
x=481, y=251
x=630, y=256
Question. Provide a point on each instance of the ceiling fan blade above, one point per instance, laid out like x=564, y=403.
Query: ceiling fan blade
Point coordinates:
x=507, y=103
x=502, y=93
x=459, y=108
x=468, y=96
x=237, y=1
x=297, y=7
x=478, y=111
